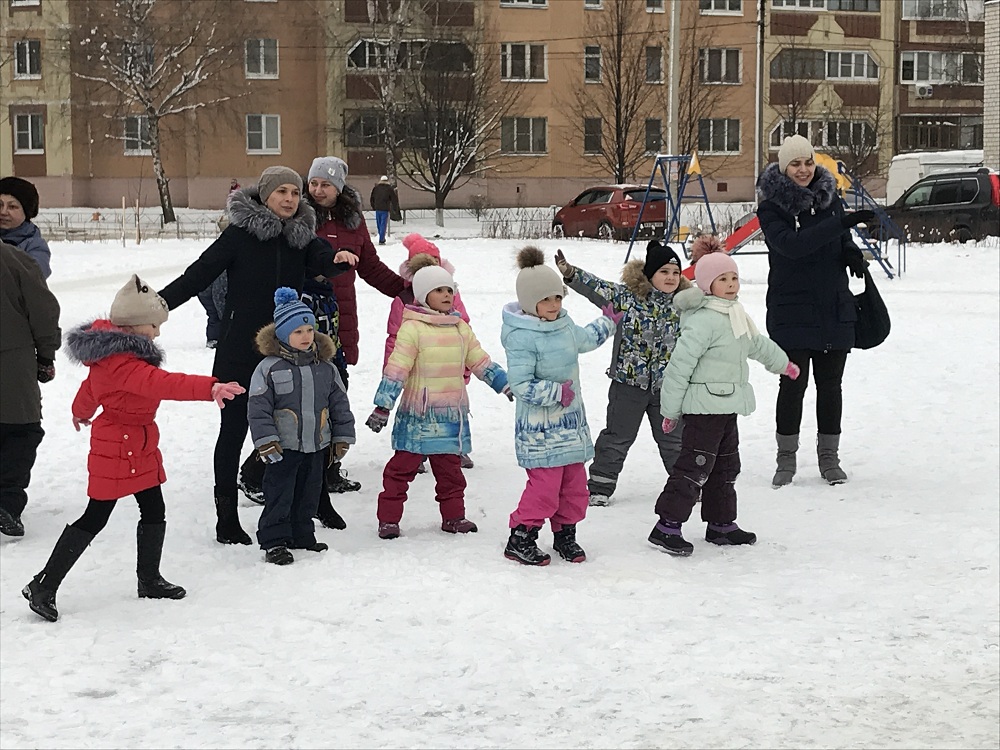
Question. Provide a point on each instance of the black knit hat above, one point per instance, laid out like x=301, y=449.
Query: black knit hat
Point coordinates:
x=657, y=256
x=24, y=192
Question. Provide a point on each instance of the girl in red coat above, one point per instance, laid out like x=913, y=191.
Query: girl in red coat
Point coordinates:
x=126, y=380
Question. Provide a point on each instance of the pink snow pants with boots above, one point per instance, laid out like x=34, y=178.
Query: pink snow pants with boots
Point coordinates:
x=558, y=493
x=401, y=469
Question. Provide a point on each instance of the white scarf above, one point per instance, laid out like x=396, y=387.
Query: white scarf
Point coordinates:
x=742, y=323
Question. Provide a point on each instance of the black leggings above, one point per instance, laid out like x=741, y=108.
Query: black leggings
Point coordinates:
x=828, y=372
x=95, y=518
x=229, y=445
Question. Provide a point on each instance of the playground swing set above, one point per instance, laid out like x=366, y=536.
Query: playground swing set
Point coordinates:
x=852, y=194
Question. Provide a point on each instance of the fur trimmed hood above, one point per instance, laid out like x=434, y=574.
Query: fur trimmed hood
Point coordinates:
x=346, y=212
x=247, y=212
x=99, y=339
x=421, y=260
x=636, y=282
x=267, y=343
x=773, y=185
x=691, y=299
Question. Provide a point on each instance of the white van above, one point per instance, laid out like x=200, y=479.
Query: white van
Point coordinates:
x=906, y=169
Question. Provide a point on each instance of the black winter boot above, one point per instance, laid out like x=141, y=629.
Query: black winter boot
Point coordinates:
x=149, y=548
x=326, y=514
x=728, y=533
x=522, y=548
x=564, y=542
x=41, y=590
x=669, y=538
x=227, y=527
x=279, y=556
x=251, y=481
x=337, y=483
x=10, y=524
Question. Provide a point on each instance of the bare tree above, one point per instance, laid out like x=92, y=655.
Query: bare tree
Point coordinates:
x=796, y=73
x=455, y=106
x=157, y=59
x=624, y=70
x=856, y=133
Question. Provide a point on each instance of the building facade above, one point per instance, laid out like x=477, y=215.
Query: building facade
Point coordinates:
x=991, y=86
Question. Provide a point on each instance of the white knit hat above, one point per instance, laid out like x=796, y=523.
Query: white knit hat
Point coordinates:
x=792, y=148
x=429, y=278
x=136, y=304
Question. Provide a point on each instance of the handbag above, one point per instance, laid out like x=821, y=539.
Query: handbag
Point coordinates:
x=873, y=324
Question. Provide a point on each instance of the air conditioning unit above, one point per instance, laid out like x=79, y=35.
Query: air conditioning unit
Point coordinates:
x=923, y=90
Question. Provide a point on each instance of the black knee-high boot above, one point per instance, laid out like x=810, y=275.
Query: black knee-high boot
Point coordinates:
x=41, y=590
x=149, y=549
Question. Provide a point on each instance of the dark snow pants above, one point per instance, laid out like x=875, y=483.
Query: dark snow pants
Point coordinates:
x=627, y=405
x=18, y=449
x=708, y=465
x=828, y=373
x=291, y=494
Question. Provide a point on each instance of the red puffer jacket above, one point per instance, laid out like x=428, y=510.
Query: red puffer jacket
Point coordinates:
x=126, y=380
x=352, y=234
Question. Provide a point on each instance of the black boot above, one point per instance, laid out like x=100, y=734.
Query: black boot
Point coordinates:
x=564, y=542
x=149, y=548
x=251, y=481
x=326, y=514
x=670, y=539
x=41, y=590
x=227, y=527
x=728, y=533
x=337, y=483
x=522, y=548
x=10, y=524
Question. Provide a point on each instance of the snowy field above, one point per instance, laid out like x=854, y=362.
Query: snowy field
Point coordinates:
x=866, y=615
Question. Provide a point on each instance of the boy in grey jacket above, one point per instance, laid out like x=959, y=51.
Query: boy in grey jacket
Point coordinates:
x=300, y=421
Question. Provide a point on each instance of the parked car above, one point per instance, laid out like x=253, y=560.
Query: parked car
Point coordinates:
x=959, y=206
x=610, y=212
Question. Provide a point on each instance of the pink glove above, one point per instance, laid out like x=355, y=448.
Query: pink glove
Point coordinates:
x=567, y=394
x=226, y=392
x=609, y=312
x=792, y=370
x=669, y=425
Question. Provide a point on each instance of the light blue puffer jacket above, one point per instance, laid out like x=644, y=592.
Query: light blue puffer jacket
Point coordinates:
x=541, y=356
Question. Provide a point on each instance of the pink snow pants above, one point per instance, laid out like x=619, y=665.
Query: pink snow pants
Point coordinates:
x=558, y=493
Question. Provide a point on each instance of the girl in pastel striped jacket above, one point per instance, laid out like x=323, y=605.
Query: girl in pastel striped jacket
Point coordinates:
x=425, y=371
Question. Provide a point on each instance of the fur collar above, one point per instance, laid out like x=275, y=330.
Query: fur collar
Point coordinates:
x=777, y=187
x=636, y=282
x=421, y=260
x=346, y=212
x=91, y=342
x=247, y=212
x=690, y=299
x=267, y=343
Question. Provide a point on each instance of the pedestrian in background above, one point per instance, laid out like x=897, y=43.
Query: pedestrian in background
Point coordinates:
x=384, y=202
x=18, y=206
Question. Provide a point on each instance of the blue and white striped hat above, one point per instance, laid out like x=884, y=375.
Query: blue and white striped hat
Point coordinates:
x=290, y=313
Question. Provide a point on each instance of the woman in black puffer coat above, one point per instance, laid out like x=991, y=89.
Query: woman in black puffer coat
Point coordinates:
x=270, y=242
x=810, y=309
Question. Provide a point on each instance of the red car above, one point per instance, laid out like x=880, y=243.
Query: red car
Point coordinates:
x=610, y=212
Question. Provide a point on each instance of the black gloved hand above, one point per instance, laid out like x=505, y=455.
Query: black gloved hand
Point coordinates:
x=46, y=370
x=855, y=261
x=864, y=216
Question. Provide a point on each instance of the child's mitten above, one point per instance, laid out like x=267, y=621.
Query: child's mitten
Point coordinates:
x=563, y=265
x=609, y=312
x=337, y=452
x=270, y=453
x=378, y=419
x=46, y=370
x=567, y=394
x=669, y=425
x=792, y=370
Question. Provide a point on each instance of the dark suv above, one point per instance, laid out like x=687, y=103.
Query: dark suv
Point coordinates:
x=959, y=206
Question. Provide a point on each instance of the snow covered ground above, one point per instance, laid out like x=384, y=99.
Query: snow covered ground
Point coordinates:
x=866, y=615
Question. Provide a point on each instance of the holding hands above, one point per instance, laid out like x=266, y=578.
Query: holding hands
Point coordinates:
x=609, y=312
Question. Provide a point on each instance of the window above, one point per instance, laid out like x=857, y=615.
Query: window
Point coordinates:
x=718, y=136
x=29, y=134
x=263, y=134
x=522, y=62
x=25, y=3
x=836, y=134
x=522, y=135
x=137, y=59
x=850, y=65
x=654, y=136
x=28, y=58
x=720, y=6
x=137, y=135
x=954, y=191
x=919, y=196
x=365, y=130
x=654, y=64
x=798, y=4
x=593, y=4
x=529, y=3
x=366, y=55
x=941, y=67
x=923, y=132
x=719, y=65
x=950, y=10
x=592, y=64
x=592, y=135
x=799, y=65
x=654, y=6
x=262, y=58
x=855, y=6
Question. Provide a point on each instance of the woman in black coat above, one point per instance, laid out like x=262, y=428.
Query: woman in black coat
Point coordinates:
x=810, y=309
x=270, y=242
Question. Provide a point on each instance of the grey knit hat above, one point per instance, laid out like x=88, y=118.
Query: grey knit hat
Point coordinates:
x=272, y=177
x=136, y=304
x=331, y=169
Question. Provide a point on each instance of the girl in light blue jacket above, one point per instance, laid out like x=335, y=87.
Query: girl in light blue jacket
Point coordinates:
x=707, y=380
x=551, y=436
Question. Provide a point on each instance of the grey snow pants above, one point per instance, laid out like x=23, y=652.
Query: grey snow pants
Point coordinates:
x=627, y=404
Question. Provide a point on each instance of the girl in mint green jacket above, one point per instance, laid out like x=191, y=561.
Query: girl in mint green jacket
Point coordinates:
x=707, y=380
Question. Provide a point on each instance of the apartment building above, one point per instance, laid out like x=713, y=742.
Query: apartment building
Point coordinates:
x=991, y=89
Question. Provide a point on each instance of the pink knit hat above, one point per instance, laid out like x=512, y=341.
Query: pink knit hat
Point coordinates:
x=416, y=244
x=710, y=267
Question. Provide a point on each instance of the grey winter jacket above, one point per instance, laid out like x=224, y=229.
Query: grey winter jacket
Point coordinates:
x=298, y=399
